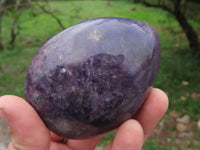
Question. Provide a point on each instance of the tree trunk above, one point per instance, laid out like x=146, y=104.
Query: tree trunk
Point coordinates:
x=187, y=28
x=13, y=33
x=189, y=31
x=1, y=43
x=2, y=2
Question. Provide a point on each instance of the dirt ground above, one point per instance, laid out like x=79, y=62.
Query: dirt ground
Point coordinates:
x=177, y=130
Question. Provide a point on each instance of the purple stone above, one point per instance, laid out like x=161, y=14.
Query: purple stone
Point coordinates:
x=93, y=76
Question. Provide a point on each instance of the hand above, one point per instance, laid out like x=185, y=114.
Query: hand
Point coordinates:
x=29, y=132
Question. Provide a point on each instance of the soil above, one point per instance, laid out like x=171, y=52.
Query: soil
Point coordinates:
x=171, y=133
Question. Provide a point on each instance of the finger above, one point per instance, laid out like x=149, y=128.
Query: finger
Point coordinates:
x=129, y=136
x=152, y=111
x=27, y=129
x=87, y=144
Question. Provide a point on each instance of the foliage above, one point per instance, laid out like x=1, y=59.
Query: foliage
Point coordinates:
x=177, y=8
x=15, y=10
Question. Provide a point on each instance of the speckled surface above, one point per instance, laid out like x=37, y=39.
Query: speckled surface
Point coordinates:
x=93, y=76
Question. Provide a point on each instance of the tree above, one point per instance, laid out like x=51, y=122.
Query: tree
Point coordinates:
x=18, y=7
x=177, y=8
x=15, y=9
x=2, y=3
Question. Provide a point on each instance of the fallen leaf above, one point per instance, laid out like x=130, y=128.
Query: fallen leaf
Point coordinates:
x=184, y=119
x=183, y=98
x=195, y=95
x=174, y=114
x=181, y=127
x=185, y=83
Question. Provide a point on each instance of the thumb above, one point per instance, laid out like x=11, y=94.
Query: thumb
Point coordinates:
x=27, y=129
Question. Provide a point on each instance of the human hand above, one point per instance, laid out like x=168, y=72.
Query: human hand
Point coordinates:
x=30, y=133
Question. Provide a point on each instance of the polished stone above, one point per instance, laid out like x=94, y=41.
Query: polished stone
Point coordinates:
x=93, y=76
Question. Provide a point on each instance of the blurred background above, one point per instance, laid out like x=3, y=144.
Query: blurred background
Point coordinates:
x=25, y=25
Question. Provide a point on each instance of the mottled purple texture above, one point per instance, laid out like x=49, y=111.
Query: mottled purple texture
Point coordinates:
x=93, y=76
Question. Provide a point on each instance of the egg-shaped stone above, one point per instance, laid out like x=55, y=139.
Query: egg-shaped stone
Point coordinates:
x=93, y=76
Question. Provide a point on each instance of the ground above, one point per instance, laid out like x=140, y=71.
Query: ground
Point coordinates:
x=177, y=130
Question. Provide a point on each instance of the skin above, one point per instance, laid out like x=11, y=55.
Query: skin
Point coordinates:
x=29, y=132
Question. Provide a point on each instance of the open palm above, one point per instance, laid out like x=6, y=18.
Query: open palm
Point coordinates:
x=30, y=133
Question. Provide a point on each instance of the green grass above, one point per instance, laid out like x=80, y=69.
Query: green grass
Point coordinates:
x=152, y=145
x=177, y=64
x=13, y=66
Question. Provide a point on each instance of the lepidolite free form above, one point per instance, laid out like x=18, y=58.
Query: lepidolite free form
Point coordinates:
x=93, y=76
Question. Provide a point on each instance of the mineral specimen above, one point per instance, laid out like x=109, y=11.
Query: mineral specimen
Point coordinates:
x=93, y=76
